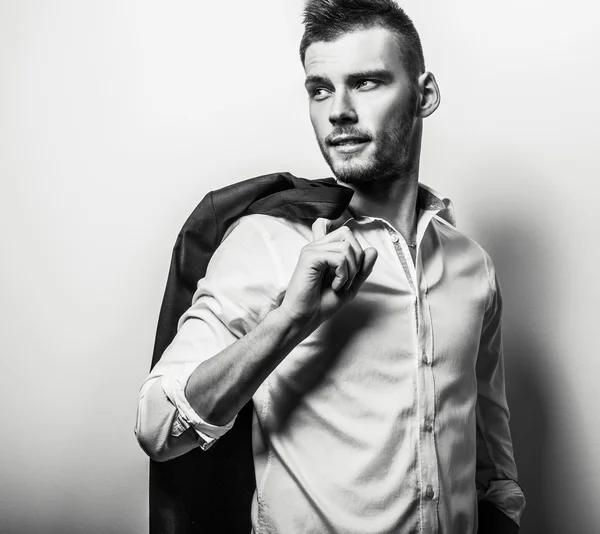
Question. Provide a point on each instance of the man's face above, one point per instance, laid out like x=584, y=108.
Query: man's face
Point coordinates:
x=362, y=105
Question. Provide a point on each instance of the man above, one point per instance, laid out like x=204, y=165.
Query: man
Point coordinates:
x=369, y=346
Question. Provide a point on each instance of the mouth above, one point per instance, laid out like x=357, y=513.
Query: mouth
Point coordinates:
x=349, y=143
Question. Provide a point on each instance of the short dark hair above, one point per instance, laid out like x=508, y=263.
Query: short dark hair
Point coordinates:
x=326, y=20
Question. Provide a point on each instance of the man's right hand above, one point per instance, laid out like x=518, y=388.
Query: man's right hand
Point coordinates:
x=329, y=273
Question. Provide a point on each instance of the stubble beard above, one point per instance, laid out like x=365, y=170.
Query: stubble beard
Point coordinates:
x=390, y=161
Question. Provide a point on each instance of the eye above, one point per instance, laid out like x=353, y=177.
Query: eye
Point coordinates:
x=367, y=85
x=320, y=93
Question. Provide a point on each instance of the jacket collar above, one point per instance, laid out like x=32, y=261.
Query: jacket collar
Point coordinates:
x=308, y=199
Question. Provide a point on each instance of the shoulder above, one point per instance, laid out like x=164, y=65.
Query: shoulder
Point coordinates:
x=263, y=246
x=269, y=229
x=467, y=249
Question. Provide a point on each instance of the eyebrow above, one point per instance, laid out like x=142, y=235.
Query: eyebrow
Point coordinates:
x=381, y=74
x=313, y=79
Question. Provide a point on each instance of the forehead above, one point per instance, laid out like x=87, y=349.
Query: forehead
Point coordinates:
x=357, y=51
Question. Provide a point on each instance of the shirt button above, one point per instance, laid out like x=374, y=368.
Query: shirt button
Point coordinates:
x=395, y=238
x=429, y=493
x=425, y=358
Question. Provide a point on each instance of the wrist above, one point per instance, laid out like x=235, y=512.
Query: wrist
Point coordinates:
x=289, y=325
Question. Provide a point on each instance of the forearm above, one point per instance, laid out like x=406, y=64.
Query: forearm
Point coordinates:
x=220, y=386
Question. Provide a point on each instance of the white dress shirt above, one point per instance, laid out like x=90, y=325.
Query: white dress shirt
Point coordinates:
x=390, y=417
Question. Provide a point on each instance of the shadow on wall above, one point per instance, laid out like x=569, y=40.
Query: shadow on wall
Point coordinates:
x=521, y=269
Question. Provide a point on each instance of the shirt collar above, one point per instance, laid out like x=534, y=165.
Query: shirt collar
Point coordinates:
x=430, y=204
x=428, y=199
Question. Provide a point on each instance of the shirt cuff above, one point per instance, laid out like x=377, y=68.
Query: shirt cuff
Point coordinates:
x=187, y=418
x=507, y=496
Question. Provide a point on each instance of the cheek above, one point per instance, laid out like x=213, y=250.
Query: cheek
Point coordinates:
x=393, y=119
x=320, y=122
x=388, y=110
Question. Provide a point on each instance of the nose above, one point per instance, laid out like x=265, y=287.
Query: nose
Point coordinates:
x=342, y=110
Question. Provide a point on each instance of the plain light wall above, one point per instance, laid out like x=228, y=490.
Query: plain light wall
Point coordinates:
x=116, y=117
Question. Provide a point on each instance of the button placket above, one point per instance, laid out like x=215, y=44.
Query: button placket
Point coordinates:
x=425, y=391
x=430, y=466
x=401, y=253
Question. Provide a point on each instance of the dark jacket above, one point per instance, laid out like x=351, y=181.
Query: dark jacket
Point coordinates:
x=210, y=492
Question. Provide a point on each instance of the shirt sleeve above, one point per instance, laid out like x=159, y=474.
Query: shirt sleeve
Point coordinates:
x=242, y=284
x=496, y=475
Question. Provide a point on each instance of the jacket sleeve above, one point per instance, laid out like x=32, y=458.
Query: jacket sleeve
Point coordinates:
x=242, y=284
x=496, y=475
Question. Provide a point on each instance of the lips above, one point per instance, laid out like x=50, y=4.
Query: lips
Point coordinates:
x=348, y=145
x=348, y=140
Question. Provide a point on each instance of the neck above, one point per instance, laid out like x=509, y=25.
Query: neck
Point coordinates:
x=393, y=199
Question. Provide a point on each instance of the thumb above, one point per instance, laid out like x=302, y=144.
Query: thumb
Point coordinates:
x=320, y=228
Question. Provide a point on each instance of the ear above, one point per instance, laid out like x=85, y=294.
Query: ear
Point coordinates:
x=429, y=93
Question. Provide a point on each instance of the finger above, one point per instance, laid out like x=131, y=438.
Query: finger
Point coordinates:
x=366, y=269
x=357, y=250
x=345, y=249
x=332, y=260
x=346, y=235
x=320, y=228
x=369, y=261
x=341, y=275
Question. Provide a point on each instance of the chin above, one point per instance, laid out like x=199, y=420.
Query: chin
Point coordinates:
x=355, y=171
x=355, y=176
x=352, y=170
x=363, y=170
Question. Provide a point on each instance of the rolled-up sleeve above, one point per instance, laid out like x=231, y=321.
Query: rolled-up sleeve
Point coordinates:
x=496, y=476
x=242, y=284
